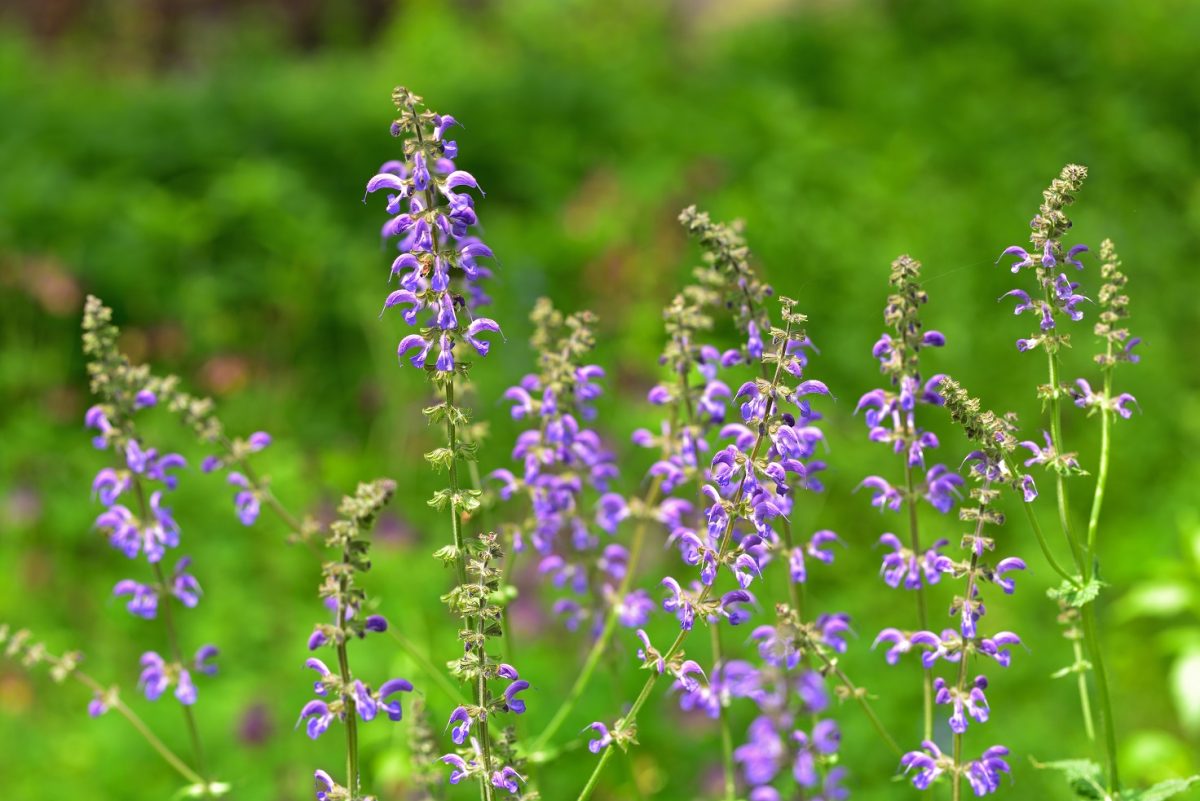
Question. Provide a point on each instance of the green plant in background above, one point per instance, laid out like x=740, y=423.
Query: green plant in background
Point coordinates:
x=175, y=214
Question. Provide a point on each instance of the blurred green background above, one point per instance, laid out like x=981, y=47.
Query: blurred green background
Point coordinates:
x=200, y=166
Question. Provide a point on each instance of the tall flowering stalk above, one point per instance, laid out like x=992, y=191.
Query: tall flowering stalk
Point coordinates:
x=961, y=646
x=560, y=457
x=746, y=495
x=441, y=281
x=891, y=417
x=1055, y=301
x=344, y=696
x=495, y=765
x=692, y=407
x=142, y=477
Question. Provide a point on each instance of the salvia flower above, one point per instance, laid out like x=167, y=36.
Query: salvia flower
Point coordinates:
x=439, y=275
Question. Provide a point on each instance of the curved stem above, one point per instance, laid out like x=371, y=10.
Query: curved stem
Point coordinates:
x=1105, y=705
x=726, y=736
x=1102, y=470
x=610, y=622
x=1060, y=484
x=922, y=613
x=140, y=726
x=460, y=563
x=1086, y=562
x=452, y=691
x=351, y=720
x=1041, y=536
x=172, y=637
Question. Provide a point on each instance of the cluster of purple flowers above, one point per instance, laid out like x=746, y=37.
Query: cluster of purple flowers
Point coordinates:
x=343, y=696
x=1056, y=295
x=434, y=225
x=965, y=696
x=561, y=457
x=136, y=519
x=148, y=532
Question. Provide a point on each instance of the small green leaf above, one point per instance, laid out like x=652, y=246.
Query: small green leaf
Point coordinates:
x=1076, y=596
x=1161, y=791
x=1084, y=776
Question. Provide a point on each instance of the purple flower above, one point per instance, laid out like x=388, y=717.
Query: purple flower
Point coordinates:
x=460, y=732
x=602, y=740
x=246, y=501
x=928, y=764
x=318, y=716
x=514, y=704
x=971, y=702
x=507, y=779
x=984, y=773
x=884, y=493
x=143, y=600
x=459, y=767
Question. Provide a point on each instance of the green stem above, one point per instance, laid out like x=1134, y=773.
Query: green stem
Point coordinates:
x=352, y=777
x=1085, y=561
x=1085, y=702
x=138, y=724
x=956, y=781
x=1060, y=484
x=1105, y=705
x=1102, y=470
x=452, y=691
x=610, y=624
x=481, y=699
x=860, y=697
x=922, y=611
x=726, y=735
x=172, y=638
x=1041, y=536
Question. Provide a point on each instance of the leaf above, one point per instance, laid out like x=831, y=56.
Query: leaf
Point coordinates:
x=1084, y=776
x=1160, y=791
x=1185, y=688
x=1077, y=596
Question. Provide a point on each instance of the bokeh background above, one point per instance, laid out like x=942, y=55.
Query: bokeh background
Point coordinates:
x=200, y=166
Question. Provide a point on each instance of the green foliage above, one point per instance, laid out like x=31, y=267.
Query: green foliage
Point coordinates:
x=215, y=204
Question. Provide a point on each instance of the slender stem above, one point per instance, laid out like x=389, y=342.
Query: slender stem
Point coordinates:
x=351, y=720
x=922, y=611
x=481, y=696
x=1085, y=562
x=1102, y=470
x=1085, y=702
x=150, y=737
x=1041, y=536
x=1105, y=706
x=431, y=671
x=956, y=781
x=1060, y=484
x=177, y=655
x=610, y=622
x=172, y=637
x=726, y=736
x=860, y=697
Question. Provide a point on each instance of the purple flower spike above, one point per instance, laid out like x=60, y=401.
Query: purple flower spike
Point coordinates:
x=376, y=623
